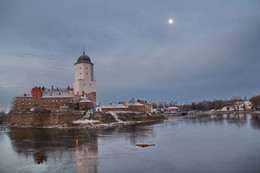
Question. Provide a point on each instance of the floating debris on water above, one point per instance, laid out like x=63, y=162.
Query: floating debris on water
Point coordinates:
x=145, y=145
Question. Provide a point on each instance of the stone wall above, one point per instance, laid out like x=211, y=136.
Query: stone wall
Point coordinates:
x=52, y=103
x=42, y=118
x=92, y=96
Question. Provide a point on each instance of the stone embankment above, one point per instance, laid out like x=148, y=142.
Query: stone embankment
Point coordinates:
x=107, y=117
x=38, y=119
x=74, y=119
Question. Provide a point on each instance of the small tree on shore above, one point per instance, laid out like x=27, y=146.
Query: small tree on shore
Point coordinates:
x=255, y=101
x=2, y=116
x=13, y=105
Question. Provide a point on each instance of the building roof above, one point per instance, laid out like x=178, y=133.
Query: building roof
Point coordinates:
x=113, y=106
x=135, y=103
x=173, y=107
x=26, y=95
x=56, y=90
x=84, y=59
x=85, y=101
x=51, y=95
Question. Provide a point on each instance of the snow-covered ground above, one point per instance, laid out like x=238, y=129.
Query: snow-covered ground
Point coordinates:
x=85, y=121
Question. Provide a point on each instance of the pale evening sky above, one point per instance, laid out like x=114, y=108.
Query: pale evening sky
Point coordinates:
x=210, y=52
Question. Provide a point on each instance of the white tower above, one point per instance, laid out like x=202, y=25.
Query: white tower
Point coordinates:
x=84, y=84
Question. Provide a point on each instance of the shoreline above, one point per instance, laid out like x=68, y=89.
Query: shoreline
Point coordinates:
x=100, y=125
x=95, y=121
x=81, y=126
x=195, y=113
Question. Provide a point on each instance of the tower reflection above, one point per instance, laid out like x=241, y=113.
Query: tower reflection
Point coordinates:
x=56, y=148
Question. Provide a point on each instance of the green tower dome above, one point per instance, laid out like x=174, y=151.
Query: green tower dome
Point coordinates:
x=84, y=58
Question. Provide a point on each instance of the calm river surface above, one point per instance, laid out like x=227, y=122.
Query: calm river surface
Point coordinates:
x=221, y=144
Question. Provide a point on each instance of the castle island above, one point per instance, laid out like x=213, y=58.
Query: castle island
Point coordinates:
x=81, y=97
x=48, y=106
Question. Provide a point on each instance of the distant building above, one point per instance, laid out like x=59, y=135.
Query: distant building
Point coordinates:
x=140, y=106
x=81, y=97
x=239, y=106
x=172, y=109
x=112, y=107
x=133, y=106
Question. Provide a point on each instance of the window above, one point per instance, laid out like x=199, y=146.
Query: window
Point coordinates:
x=86, y=73
x=80, y=73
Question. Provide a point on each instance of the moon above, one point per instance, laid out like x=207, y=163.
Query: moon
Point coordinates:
x=170, y=21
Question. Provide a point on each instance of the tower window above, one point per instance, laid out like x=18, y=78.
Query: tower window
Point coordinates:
x=80, y=73
x=86, y=67
x=86, y=73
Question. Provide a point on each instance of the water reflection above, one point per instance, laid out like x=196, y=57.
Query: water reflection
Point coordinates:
x=178, y=141
x=237, y=120
x=133, y=134
x=39, y=157
x=255, y=123
x=54, y=147
x=70, y=150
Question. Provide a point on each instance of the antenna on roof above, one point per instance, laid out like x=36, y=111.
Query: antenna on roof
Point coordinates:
x=84, y=48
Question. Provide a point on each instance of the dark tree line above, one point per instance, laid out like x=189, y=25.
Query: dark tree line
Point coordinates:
x=207, y=105
x=162, y=105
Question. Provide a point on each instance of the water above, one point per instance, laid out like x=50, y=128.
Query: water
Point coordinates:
x=221, y=144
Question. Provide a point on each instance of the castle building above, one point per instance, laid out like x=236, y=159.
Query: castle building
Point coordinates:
x=81, y=97
x=48, y=99
x=84, y=83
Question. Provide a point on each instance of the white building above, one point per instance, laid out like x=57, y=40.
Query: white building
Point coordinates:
x=84, y=84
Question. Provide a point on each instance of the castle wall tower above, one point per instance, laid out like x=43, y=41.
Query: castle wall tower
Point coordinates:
x=84, y=83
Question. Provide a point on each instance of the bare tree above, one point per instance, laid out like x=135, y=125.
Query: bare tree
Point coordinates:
x=2, y=116
x=256, y=101
x=13, y=105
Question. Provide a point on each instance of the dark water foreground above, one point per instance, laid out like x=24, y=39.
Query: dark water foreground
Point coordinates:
x=227, y=143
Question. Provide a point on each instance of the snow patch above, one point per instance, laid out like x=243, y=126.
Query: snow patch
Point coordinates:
x=85, y=121
x=115, y=116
